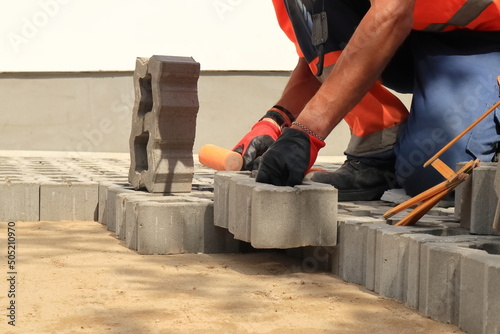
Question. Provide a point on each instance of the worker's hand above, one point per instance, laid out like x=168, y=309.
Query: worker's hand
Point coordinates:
x=257, y=141
x=287, y=161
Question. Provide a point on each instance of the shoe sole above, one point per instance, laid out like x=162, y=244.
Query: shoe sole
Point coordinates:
x=372, y=194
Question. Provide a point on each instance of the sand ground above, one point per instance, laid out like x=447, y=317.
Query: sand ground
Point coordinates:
x=75, y=277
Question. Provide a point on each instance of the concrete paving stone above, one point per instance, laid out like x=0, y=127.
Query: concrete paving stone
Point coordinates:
x=355, y=249
x=476, y=200
x=120, y=206
x=463, y=199
x=396, y=196
x=492, y=323
x=19, y=201
x=174, y=228
x=440, y=275
x=235, y=206
x=102, y=212
x=438, y=220
x=69, y=201
x=241, y=191
x=285, y=217
x=164, y=124
x=360, y=219
x=392, y=260
x=496, y=219
x=362, y=210
x=484, y=200
x=474, y=313
x=109, y=215
x=204, y=237
x=275, y=217
x=133, y=215
x=370, y=253
x=352, y=252
x=414, y=253
x=221, y=198
x=442, y=211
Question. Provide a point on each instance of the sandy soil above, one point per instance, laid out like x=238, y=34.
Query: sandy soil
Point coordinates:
x=74, y=277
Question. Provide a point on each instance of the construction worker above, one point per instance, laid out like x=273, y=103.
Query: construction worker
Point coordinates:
x=445, y=52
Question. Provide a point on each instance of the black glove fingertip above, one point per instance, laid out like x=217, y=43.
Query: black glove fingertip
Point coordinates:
x=263, y=177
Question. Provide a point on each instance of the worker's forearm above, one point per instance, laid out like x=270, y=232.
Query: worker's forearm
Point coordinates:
x=374, y=42
x=300, y=88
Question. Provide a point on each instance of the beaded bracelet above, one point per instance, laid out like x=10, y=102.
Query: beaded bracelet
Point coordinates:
x=306, y=130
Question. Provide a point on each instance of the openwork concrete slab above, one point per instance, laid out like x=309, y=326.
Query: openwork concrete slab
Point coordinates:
x=268, y=216
x=164, y=124
x=436, y=267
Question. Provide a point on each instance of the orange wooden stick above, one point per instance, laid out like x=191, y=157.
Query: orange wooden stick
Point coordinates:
x=429, y=193
x=423, y=208
x=220, y=158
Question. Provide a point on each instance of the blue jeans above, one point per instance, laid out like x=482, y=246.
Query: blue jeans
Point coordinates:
x=454, y=82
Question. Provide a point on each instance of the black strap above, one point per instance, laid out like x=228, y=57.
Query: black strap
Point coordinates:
x=319, y=34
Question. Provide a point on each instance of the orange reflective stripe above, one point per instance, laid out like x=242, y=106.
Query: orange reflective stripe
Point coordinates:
x=330, y=59
x=285, y=23
x=378, y=110
x=438, y=16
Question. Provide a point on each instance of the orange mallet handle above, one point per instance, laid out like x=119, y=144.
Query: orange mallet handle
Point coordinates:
x=220, y=158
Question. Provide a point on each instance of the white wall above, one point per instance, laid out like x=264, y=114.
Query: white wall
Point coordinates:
x=107, y=35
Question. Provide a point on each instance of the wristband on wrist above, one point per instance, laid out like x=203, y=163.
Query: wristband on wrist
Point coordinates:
x=280, y=115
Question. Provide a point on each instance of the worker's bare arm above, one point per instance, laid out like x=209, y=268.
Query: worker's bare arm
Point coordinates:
x=300, y=88
x=379, y=34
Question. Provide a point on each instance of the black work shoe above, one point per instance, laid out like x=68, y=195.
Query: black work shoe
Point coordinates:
x=356, y=180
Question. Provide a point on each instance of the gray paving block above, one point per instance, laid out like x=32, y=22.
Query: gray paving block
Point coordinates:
x=164, y=124
x=103, y=202
x=477, y=200
x=462, y=194
x=110, y=213
x=357, y=249
x=69, y=201
x=285, y=217
x=496, y=219
x=19, y=201
x=392, y=261
x=268, y=216
x=173, y=228
x=121, y=197
x=396, y=196
x=484, y=200
x=352, y=252
x=439, y=291
x=492, y=323
x=415, y=242
x=222, y=181
x=134, y=214
x=132, y=218
x=241, y=189
x=477, y=292
x=473, y=293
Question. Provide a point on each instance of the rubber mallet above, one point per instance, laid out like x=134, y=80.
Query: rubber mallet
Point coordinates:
x=219, y=158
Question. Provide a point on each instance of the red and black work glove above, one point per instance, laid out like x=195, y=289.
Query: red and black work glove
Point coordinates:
x=287, y=161
x=263, y=134
x=256, y=142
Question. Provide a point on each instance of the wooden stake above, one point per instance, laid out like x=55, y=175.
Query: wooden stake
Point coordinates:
x=429, y=193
